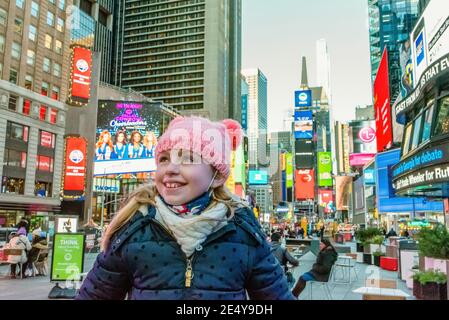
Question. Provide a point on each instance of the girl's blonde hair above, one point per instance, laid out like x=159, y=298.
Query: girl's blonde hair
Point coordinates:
x=147, y=194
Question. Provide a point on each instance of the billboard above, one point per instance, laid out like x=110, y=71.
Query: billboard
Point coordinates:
x=326, y=200
x=406, y=64
x=303, y=124
x=126, y=137
x=368, y=176
x=289, y=169
x=245, y=112
x=430, y=37
x=304, y=154
x=382, y=107
x=343, y=191
x=258, y=177
x=74, y=177
x=362, y=137
x=80, y=76
x=303, y=98
x=104, y=185
x=325, y=169
x=305, y=184
x=360, y=159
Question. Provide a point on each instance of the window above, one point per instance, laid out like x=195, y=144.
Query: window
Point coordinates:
x=53, y=115
x=16, y=50
x=34, y=9
x=13, y=76
x=43, y=189
x=45, y=88
x=32, y=33
x=55, y=93
x=30, y=57
x=46, y=65
x=103, y=18
x=18, y=26
x=26, y=106
x=2, y=43
x=56, y=69
x=19, y=3
x=60, y=25
x=58, y=46
x=48, y=41
x=86, y=6
x=12, y=103
x=442, y=117
x=61, y=4
x=42, y=113
x=428, y=117
x=29, y=82
x=416, y=132
x=406, y=141
x=14, y=158
x=50, y=18
x=3, y=17
x=17, y=131
x=44, y=163
x=47, y=139
x=13, y=185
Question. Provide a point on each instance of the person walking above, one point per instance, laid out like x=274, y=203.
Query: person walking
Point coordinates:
x=186, y=236
x=283, y=256
x=321, y=268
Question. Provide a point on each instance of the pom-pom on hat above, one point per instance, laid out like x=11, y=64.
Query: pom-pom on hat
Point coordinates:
x=214, y=141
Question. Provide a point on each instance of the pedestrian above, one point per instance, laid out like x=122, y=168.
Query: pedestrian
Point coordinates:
x=39, y=242
x=322, y=232
x=18, y=241
x=321, y=269
x=301, y=233
x=187, y=236
x=283, y=256
x=391, y=233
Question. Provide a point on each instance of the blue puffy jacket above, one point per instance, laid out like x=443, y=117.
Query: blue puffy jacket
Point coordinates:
x=144, y=261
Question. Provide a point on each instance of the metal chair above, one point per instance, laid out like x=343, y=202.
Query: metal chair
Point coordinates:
x=347, y=265
x=324, y=284
x=41, y=263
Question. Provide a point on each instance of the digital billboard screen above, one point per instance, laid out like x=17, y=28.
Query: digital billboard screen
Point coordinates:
x=325, y=169
x=304, y=154
x=303, y=98
x=303, y=125
x=126, y=137
x=258, y=177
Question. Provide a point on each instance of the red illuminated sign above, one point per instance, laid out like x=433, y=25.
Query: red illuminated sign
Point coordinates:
x=382, y=107
x=80, y=76
x=304, y=184
x=75, y=164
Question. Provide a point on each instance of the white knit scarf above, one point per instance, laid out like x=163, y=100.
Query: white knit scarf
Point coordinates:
x=192, y=231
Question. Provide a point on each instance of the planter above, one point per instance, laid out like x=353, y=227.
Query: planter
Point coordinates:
x=417, y=289
x=359, y=247
x=367, y=258
x=435, y=264
x=377, y=260
x=434, y=291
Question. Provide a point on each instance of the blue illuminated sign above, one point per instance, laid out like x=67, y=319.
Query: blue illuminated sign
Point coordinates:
x=368, y=175
x=303, y=98
x=258, y=177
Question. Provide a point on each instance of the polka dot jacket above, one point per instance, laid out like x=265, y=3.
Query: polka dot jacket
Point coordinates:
x=145, y=262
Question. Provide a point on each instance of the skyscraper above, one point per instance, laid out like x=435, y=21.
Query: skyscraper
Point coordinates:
x=184, y=53
x=323, y=68
x=257, y=112
x=390, y=24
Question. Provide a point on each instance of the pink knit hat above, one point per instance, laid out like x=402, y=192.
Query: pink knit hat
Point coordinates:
x=214, y=141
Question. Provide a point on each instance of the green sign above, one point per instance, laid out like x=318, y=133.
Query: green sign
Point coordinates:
x=68, y=256
x=289, y=170
x=324, y=169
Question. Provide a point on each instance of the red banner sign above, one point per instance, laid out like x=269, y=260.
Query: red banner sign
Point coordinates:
x=75, y=164
x=382, y=107
x=80, y=76
x=304, y=184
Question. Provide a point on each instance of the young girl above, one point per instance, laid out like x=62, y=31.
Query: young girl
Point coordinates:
x=121, y=146
x=187, y=237
x=104, y=146
x=135, y=148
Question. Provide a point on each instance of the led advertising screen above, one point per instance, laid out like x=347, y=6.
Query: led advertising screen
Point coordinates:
x=360, y=159
x=74, y=167
x=303, y=98
x=362, y=137
x=258, y=177
x=80, y=76
x=305, y=184
x=325, y=169
x=382, y=107
x=326, y=200
x=289, y=169
x=303, y=124
x=126, y=138
x=304, y=154
x=343, y=191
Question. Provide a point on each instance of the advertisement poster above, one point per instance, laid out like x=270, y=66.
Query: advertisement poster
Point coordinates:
x=67, y=224
x=362, y=137
x=303, y=98
x=303, y=125
x=382, y=107
x=360, y=159
x=325, y=169
x=304, y=184
x=343, y=191
x=68, y=257
x=406, y=64
x=326, y=200
x=80, y=77
x=126, y=138
x=289, y=170
x=75, y=166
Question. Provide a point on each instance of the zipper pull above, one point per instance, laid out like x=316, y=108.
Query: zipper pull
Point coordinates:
x=189, y=273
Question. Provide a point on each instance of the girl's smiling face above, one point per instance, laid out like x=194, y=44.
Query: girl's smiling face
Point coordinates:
x=183, y=176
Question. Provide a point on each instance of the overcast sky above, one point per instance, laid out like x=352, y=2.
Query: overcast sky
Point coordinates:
x=277, y=33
